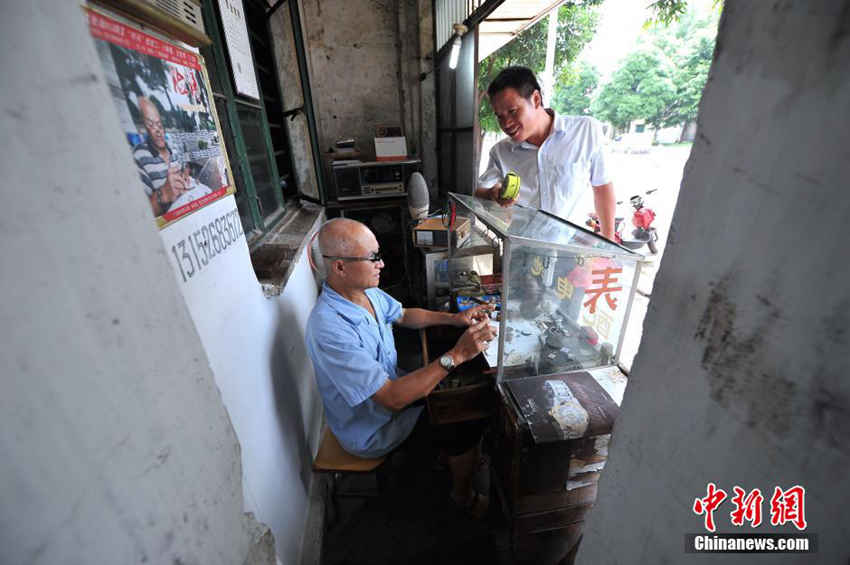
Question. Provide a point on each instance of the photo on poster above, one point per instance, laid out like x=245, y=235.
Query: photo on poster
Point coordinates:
x=168, y=117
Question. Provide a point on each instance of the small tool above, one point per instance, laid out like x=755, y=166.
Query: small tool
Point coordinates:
x=510, y=186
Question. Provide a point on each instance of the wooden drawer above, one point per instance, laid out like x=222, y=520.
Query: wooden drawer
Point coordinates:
x=543, y=501
x=537, y=478
x=550, y=520
x=547, y=546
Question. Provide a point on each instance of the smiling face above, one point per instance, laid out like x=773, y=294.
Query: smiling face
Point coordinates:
x=518, y=117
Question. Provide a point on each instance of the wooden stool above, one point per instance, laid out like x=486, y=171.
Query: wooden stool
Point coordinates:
x=333, y=459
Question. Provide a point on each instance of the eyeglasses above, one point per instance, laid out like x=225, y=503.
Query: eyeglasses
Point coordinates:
x=374, y=257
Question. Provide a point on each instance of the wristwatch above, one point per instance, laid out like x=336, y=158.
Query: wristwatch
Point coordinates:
x=447, y=362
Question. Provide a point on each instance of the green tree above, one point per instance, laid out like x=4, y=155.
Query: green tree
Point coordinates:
x=574, y=94
x=670, y=11
x=576, y=26
x=662, y=83
x=690, y=77
x=133, y=66
x=688, y=46
x=641, y=88
x=667, y=11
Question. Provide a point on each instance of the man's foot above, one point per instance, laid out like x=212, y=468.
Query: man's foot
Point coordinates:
x=475, y=506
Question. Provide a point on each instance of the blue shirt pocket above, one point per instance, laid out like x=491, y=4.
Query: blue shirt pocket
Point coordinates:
x=372, y=343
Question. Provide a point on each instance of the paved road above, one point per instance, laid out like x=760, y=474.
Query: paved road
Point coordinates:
x=661, y=168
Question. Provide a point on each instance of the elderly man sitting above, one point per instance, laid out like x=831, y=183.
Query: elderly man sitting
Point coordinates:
x=369, y=405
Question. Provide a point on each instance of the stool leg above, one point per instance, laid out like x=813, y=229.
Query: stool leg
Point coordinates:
x=333, y=515
x=381, y=479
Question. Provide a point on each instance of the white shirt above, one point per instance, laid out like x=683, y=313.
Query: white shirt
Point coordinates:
x=554, y=175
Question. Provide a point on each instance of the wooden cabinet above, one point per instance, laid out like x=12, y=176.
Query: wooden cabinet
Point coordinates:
x=547, y=488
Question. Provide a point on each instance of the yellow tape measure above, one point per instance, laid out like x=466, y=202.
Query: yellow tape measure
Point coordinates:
x=510, y=186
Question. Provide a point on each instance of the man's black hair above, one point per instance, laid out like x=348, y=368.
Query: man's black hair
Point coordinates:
x=521, y=79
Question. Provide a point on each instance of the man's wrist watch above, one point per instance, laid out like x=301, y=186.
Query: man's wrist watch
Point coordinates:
x=447, y=362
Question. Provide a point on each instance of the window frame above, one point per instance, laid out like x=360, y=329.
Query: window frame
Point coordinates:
x=219, y=65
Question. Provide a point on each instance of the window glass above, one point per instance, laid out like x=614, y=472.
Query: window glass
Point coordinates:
x=248, y=223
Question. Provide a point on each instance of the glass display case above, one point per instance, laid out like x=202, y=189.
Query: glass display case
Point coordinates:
x=562, y=294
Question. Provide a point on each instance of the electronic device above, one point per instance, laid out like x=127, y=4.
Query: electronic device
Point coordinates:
x=418, y=199
x=179, y=19
x=358, y=181
x=432, y=233
x=184, y=11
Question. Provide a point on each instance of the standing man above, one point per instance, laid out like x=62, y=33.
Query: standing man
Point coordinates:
x=370, y=406
x=158, y=167
x=556, y=157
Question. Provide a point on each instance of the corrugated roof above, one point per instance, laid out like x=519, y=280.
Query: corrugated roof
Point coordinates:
x=508, y=20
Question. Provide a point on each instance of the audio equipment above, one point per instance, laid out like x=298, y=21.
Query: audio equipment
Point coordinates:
x=359, y=181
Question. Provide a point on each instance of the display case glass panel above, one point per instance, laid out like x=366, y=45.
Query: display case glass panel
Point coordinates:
x=563, y=294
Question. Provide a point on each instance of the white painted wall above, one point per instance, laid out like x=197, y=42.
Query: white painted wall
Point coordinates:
x=255, y=347
x=116, y=443
x=742, y=376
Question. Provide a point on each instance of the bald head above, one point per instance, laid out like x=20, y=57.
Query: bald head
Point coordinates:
x=147, y=108
x=153, y=122
x=343, y=237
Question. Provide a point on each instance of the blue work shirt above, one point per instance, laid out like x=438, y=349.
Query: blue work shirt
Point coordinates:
x=353, y=356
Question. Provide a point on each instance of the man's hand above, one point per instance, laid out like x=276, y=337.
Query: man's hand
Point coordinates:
x=174, y=186
x=474, y=340
x=606, y=206
x=473, y=315
x=396, y=394
x=494, y=193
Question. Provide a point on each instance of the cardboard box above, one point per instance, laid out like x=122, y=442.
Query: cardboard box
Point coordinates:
x=432, y=233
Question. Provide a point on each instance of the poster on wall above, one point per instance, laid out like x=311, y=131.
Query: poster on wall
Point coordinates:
x=238, y=47
x=167, y=115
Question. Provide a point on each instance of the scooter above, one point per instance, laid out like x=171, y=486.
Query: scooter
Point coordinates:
x=642, y=219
